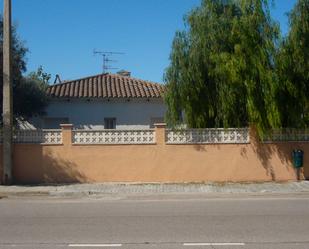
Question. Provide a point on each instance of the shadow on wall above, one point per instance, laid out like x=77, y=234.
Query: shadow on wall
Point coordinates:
x=33, y=166
x=265, y=152
x=273, y=157
x=283, y=150
x=57, y=170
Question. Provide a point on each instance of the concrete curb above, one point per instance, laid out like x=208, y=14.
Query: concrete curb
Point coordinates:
x=118, y=189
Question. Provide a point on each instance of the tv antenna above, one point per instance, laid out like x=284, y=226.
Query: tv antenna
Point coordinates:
x=106, y=59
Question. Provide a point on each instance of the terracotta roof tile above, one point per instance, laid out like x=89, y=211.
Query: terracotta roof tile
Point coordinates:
x=95, y=88
x=85, y=90
x=80, y=88
x=99, y=87
x=106, y=86
x=90, y=87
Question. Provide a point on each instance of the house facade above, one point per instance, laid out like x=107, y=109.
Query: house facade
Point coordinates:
x=104, y=101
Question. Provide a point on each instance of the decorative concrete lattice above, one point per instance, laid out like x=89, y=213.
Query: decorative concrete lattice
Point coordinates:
x=208, y=136
x=298, y=135
x=114, y=136
x=38, y=136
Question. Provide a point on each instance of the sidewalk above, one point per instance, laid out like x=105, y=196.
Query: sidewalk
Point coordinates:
x=115, y=189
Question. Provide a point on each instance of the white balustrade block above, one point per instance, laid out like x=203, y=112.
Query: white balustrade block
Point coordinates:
x=276, y=135
x=114, y=136
x=38, y=136
x=208, y=136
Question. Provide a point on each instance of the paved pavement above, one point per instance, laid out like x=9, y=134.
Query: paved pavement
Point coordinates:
x=210, y=221
x=124, y=189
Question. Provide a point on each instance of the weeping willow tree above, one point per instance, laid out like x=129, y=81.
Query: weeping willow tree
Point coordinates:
x=293, y=69
x=222, y=71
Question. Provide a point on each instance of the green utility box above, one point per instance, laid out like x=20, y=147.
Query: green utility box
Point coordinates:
x=298, y=158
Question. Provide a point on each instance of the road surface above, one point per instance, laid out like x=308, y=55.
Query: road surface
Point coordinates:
x=151, y=222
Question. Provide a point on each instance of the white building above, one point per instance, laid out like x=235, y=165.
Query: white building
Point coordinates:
x=110, y=101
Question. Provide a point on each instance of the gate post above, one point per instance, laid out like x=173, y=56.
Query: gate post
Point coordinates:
x=160, y=133
x=67, y=135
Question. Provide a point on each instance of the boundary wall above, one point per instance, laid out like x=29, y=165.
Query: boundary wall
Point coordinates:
x=158, y=162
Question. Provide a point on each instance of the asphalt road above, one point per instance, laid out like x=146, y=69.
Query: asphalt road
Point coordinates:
x=224, y=222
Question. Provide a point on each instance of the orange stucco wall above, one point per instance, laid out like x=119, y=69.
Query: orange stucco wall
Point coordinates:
x=155, y=163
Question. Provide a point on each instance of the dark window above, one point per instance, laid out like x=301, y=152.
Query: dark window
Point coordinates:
x=109, y=123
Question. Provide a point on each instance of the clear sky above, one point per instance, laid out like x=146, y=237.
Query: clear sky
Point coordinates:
x=61, y=34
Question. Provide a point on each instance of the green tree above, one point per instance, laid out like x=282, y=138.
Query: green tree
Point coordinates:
x=31, y=93
x=28, y=92
x=293, y=69
x=222, y=67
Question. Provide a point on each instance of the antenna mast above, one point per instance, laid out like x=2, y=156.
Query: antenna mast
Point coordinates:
x=106, y=59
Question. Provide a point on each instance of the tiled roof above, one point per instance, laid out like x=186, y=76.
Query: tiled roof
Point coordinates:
x=106, y=86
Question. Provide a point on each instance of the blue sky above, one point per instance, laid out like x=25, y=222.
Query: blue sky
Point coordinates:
x=61, y=34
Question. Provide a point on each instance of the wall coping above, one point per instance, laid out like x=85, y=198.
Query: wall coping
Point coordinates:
x=160, y=125
x=66, y=125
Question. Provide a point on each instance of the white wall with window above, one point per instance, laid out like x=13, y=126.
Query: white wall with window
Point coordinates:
x=108, y=114
x=53, y=122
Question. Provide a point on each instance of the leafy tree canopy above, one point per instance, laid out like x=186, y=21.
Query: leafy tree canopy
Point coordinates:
x=223, y=67
x=28, y=92
x=293, y=69
x=31, y=94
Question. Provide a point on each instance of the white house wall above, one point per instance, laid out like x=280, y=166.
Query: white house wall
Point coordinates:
x=133, y=114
